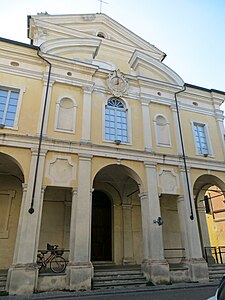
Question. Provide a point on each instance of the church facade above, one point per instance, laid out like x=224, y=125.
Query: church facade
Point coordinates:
x=106, y=152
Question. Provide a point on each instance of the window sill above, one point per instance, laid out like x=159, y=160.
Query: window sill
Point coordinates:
x=114, y=143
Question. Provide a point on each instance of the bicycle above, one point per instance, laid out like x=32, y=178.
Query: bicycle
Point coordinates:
x=57, y=262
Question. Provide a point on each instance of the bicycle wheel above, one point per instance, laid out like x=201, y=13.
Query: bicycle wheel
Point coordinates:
x=57, y=264
x=39, y=263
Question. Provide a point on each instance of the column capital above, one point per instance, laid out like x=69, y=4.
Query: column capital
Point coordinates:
x=127, y=206
x=180, y=198
x=173, y=107
x=34, y=152
x=182, y=169
x=143, y=196
x=83, y=156
x=88, y=88
x=150, y=164
x=24, y=186
x=43, y=187
x=145, y=102
x=74, y=191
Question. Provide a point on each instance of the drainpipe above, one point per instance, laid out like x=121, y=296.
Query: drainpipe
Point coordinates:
x=183, y=153
x=31, y=209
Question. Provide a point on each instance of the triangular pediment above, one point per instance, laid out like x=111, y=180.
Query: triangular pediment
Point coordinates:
x=44, y=27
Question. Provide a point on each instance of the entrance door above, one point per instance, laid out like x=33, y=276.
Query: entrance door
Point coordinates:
x=101, y=235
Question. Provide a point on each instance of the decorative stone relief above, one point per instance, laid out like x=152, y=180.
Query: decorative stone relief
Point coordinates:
x=62, y=171
x=168, y=181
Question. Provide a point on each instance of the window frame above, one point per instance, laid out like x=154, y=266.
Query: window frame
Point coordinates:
x=128, y=120
x=207, y=137
x=58, y=111
x=21, y=91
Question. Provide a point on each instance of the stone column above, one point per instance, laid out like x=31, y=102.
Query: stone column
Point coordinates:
x=67, y=217
x=86, y=114
x=203, y=227
x=190, y=233
x=176, y=129
x=47, y=109
x=80, y=268
x=146, y=125
x=154, y=264
x=22, y=275
x=220, y=125
x=128, y=253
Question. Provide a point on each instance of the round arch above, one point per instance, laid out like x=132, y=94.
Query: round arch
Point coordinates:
x=125, y=169
x=120, y=186
x=10, y=166
x=205, y=216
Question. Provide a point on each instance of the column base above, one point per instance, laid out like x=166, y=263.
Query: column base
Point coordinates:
x=79, y=276
x=128, y=261
x=156, y=271
x=21, y=279
x=198, y=269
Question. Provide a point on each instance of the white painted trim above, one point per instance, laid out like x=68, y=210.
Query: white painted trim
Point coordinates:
x=209, y=143
x=129, y=123
x=57, y=114
x=21, y=90
x=9, y=194
x=160, y=172
x=156, y=133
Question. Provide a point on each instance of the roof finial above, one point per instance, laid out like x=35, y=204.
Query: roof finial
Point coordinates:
x=101, y=1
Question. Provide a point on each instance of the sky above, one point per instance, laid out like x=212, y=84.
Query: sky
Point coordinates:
x=190, y=32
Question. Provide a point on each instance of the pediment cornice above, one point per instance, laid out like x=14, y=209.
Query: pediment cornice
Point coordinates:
x=71, y=45
x=140, y=60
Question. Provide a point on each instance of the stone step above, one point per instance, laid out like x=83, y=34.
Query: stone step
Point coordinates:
x=216, y=271
x=2, y=283
x=118, y=284
x=118, y=277
x=116, y=273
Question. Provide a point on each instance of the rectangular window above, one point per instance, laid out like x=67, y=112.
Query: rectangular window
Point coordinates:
x=115, y=125
x=8, y=106
x=201, y=139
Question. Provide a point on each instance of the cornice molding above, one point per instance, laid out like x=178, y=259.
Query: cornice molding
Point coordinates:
x=142, y=59
x=62, y=46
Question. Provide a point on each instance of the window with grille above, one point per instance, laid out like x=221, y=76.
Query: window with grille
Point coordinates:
x=8, y=106
x=201, y=139
x=116, y=120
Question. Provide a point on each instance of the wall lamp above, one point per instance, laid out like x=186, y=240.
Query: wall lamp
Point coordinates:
x=159, y=220
x=117, y=142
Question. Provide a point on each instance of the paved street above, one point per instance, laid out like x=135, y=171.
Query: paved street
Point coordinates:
x=184, y=294
x=190, y=291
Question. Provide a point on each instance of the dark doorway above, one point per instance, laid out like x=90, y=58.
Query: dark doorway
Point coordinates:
x=101, y=234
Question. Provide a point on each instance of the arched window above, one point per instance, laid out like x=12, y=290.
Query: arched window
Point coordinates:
x=66, y=115
x=162, y=131
x=116, y=120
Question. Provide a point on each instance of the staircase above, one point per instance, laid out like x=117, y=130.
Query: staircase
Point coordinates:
x=3, y=278
x=216, y=271
x=108, y=277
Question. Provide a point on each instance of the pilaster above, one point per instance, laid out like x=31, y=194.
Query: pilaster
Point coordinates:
x=198, y=268
x=176, y=128
x=23, y=273
x=146, y=125
x=86, y=114
x=154, y=265
x=80, y=269
x=128, y=253
x=220, y=125
x=47, y=108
